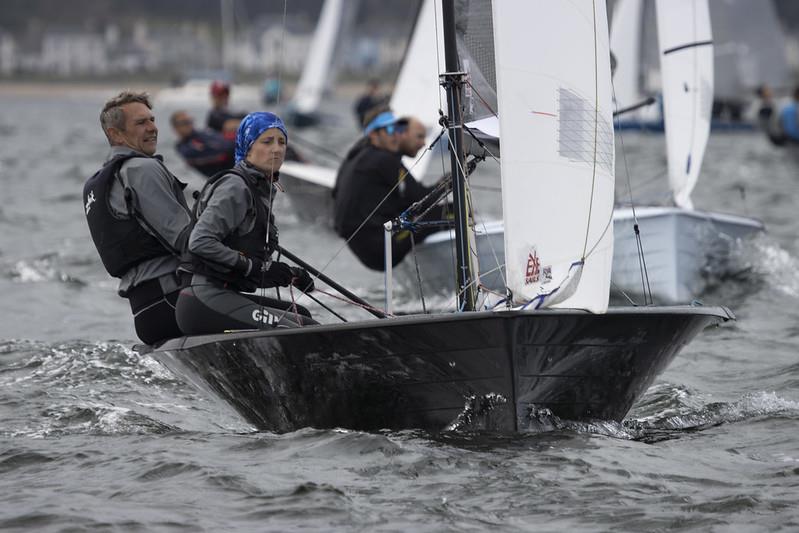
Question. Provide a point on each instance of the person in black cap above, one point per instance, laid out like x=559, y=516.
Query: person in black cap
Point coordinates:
x=231, y=248
x=138, y=216
x=373, y=187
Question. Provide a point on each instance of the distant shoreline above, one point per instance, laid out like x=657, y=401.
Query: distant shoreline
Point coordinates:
x=32, y=88
x=65, y=87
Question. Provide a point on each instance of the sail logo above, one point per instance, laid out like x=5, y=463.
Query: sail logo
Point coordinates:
x=533, y=271
x=260, y=315
x=89, y=201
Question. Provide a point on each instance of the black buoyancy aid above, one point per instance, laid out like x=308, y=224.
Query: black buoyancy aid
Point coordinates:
x=121, y=242
x=252, y=244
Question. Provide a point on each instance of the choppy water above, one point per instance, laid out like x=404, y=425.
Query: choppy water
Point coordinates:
x=96, y=437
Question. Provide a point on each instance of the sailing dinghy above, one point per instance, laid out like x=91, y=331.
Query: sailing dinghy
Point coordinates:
x=554, y=346
x=682, y=244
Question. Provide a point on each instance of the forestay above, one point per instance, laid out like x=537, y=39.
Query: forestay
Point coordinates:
x=557, y=164
x=686, y=63
x=417, y=92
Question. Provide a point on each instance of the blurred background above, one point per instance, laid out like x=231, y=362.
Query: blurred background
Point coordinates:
x=169, y=41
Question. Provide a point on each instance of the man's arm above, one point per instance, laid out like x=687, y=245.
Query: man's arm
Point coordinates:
x=205, y=149
x=156, y=201
x=225, y=211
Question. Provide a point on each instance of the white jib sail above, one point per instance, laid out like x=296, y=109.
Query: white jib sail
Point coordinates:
x=557, y=164
x=686, y=65
x=417, y=91
x=316, y=73
x=625, y=43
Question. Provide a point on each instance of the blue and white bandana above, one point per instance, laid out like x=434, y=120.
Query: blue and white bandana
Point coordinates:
x=252, y=126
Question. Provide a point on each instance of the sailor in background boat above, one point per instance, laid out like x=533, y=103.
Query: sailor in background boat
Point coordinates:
x=373, y=186
x=368, y=101
x=206, y=151
x=220, y=117
x=783, y=128
x=138, y=216
x=230, y=250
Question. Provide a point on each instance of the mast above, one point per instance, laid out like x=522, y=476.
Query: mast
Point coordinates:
x=452, y=80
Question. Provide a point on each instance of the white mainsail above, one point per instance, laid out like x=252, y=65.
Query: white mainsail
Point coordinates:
x=686, y=64
x=557, y=164
x=317, y=73
x=417, y=92
x=625, y=43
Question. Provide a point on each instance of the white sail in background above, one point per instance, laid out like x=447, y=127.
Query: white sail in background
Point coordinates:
x=417, y=91
x=686, y=63
x=557, y=164
x=625, y=43
x=317, y=72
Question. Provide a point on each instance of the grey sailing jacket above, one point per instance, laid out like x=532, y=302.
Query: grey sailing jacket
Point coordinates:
x=169, y=215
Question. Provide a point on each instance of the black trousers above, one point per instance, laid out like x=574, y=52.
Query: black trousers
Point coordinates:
x=207, y=307
x=154, y=312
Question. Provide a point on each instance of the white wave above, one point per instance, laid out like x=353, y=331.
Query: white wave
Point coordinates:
x=776, y=265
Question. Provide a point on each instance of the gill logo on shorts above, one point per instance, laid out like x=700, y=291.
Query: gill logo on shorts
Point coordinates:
x=89, y=201
x=260, y=315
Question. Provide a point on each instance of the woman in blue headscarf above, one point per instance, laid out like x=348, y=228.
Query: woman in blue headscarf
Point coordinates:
x=232, y=245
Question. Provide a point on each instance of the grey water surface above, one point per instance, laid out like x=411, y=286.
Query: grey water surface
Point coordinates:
x=95, y=437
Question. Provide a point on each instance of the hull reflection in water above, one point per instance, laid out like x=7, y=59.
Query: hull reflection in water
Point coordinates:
x=484, y=370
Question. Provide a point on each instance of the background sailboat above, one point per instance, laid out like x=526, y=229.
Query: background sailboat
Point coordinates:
x=319, y=73
x=681, y=245
x=484, y=369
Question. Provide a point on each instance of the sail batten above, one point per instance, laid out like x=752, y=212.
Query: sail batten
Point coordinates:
x=555, y=120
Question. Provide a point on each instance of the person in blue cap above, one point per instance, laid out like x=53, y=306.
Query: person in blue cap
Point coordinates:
x=372, y=187
x=232, y=245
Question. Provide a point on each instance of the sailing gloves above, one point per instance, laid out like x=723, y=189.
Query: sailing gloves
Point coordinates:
x=274, y=274
x=268, y=274
x=302, y=280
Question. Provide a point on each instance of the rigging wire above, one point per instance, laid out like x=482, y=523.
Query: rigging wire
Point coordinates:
x=272, y=186
x=646, y=289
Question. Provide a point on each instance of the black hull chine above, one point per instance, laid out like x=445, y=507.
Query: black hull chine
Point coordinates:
x=485, y=369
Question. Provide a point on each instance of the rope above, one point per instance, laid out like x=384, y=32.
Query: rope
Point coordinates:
x=337, y=297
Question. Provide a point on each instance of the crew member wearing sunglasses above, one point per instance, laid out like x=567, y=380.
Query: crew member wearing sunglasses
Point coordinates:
x=372, y=187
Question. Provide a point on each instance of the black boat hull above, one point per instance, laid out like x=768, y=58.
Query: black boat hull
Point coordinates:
x=489, y=369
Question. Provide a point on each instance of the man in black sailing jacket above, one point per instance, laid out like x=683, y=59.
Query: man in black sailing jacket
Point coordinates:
x=138, y=216
x=373, y=178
